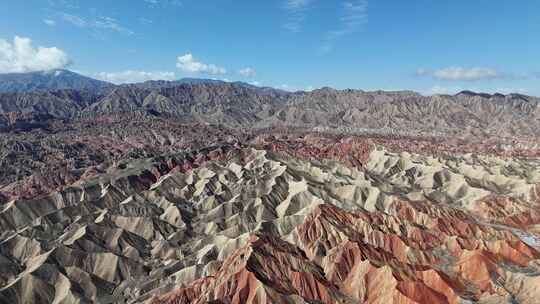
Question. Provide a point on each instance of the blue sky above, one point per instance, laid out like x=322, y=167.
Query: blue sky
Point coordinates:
x=423, y=45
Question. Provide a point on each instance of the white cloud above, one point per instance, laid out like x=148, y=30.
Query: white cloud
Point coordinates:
x=156, y=3
x=49, y=22
x=511, y=90
x=458, y=73
x=145, y=21
x=296, y=10
x=255, y=83
x=133, y=76
x=111, y=24
x=71, y=4
x=462, y=74
x=248, y=72
x=354, y=14
x=21, y=56
x=296, y=4
x=290, y=88
x=438, y=89
x=188, y=63
x=451, y=90
x=101, y=22
x=287, y=87
x=75, y=20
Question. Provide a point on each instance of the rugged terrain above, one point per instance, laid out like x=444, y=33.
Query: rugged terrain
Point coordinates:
x=240, y=225
x=241, y=105
x=202, y=191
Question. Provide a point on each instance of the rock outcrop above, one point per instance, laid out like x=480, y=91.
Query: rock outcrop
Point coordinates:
x=244, y=225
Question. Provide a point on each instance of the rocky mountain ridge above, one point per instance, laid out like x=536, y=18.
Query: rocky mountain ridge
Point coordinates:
x=347, y=111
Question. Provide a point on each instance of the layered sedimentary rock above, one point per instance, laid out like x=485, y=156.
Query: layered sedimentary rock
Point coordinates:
x=244, y=225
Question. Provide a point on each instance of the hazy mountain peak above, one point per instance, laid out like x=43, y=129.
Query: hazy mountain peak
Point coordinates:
x=50, y=80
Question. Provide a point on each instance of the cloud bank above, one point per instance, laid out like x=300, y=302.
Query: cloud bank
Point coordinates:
x=188, y=63
x=133, y=76
x=462, y=74
x=248, y=72
x=451, y=90
x=20, y=56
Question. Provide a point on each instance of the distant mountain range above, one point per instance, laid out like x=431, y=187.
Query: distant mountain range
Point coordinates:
x=49, y=81
x=60, y=79
x=66, y=95
x=204, y=191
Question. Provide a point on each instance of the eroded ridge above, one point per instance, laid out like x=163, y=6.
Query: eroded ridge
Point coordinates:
x=257, y=226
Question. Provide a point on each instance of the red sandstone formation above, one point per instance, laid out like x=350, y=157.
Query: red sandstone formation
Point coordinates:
x=362, y=257
x=233, y=224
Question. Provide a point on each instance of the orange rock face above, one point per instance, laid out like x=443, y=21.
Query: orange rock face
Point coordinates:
x=339, y=256
x=266, y=270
